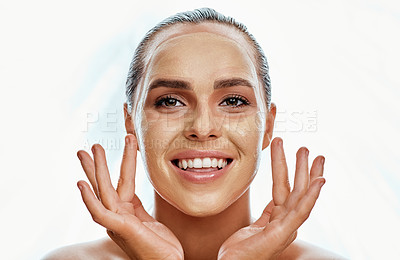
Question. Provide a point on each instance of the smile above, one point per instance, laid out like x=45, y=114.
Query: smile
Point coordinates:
x=199, y=166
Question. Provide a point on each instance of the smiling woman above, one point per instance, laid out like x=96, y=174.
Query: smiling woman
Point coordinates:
x=199, y=88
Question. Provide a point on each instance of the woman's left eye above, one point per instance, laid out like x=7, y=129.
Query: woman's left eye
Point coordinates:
x=236, y=101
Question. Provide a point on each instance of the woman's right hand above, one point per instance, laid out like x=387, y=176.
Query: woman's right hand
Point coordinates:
x=120, y=211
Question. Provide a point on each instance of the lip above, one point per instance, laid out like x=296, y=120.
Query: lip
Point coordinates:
x=202, y=177
x=189, y=154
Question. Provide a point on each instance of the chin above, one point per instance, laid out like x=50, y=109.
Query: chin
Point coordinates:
x=204, y=205
x=204, y=209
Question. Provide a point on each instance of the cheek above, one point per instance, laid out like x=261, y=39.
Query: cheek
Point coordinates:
x=246, y=136
x=164, y=122
x=245, y=131
x=158, y=130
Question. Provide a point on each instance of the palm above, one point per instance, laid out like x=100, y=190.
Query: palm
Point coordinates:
x=120, y=210
x=252, y=242
x=277, y=228
x=156, y=236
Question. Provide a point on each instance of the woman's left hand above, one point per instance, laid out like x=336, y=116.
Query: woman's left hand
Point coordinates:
x=277, y=228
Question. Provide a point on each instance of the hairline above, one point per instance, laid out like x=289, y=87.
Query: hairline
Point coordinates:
x=154, y=45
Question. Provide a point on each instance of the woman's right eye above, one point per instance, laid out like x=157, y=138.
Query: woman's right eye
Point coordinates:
x=167, y=101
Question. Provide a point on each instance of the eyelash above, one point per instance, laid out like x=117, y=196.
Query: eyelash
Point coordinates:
x=160, y=101
x=245, y=102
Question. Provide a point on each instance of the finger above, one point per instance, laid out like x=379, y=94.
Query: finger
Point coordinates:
x=264, y=219
x=133, y=229
x=291, y=238
x=88, y=167
x=99, y=213
x=296, y=217
x=281, y=185
x=277, y=235
x=317, y=168
x=126, y=183
x=302, y=178
x=278, y=212
x=140, y=212
x=107, y=193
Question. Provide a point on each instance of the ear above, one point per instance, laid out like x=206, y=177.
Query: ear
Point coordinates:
x=269, y=127
x=129, y=125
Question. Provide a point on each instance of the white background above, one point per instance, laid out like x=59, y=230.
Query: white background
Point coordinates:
x=334, y=67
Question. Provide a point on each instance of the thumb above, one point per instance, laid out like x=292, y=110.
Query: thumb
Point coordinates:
x=140, y=212
x=264, y=219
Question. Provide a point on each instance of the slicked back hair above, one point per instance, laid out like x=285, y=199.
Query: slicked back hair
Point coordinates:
x=137, y=66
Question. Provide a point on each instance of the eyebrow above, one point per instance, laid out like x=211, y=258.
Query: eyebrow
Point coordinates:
x=181, y=84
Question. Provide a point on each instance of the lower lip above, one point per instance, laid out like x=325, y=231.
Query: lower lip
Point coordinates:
x=202, y=177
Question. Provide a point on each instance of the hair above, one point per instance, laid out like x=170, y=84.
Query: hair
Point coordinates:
x=136, y=69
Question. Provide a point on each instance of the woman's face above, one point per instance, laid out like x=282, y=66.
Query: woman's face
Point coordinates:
x=201, y=107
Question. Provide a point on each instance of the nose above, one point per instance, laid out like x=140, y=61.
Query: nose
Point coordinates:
x=202, y=125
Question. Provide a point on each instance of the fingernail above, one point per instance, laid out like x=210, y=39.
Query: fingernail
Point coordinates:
x=322, y=160
x=93, y=149
x=126, y=140
x=280, y=142
x=79, y=156
x=80, y=187
x=307, y=152
x=322, y=183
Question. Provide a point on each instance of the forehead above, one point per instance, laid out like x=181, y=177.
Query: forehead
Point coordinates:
x=224, y=33
x=204, y=53
x=188, y=47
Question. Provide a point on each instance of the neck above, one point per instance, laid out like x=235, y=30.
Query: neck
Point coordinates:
x=201, y=237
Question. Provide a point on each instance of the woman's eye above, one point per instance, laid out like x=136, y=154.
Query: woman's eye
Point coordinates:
x=236, y=101
x=168, y=102
x=233, y=102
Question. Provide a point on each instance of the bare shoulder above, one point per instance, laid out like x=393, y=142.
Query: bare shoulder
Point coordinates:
x=100, y=249
x=301, y=250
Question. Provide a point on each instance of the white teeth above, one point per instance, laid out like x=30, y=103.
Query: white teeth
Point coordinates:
x=220, y=162
x=202, y=163
x=206, y=162
x=190, y=163
x=184, y=164
x=197, y=163
x=214, y=162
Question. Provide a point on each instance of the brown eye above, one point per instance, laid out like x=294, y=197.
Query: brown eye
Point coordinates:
x=235, y=101
x=232, y=101
x=168, y=102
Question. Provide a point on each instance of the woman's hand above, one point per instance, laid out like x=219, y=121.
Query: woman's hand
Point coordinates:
x=120, y=211
x=277, y=227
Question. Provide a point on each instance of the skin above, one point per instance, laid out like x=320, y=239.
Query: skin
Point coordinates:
x=198, y=121
x=199, y=221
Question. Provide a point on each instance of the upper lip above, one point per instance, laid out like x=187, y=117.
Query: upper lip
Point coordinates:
x=185, y=154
